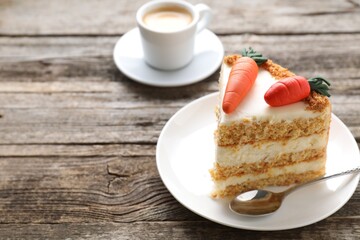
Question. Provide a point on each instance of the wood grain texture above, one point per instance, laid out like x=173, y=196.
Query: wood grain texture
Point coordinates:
x=332, y=229
x=78, y=138
x=95, y=189
x=110, y=17
x=85, y=189
x=64, y=98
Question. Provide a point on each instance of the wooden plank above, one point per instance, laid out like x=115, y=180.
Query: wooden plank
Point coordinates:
x=314, y=55
x=76, y=125
x=110, y=17
x=77, y=150
x=331, y=229
x=109, y=101
x=95, y=189
x=70, y=59
x=53, y=49
x=83, y=189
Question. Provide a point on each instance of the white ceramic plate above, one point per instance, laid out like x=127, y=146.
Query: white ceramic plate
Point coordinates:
x=185, y=153
x=208, y=55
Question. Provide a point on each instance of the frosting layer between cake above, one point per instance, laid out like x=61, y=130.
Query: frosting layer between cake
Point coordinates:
x=267, y=151
x=298, y=168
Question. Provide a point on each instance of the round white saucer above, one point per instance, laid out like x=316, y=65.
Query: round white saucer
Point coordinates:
x=128, y=57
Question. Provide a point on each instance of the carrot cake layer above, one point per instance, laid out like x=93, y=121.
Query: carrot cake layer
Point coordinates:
x=284, y=176
x=252, y=131
x=220, y=172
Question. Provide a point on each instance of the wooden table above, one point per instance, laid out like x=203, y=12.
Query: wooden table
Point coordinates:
x=78, y=138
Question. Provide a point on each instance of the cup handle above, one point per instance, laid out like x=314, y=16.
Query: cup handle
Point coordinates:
x=205, y=16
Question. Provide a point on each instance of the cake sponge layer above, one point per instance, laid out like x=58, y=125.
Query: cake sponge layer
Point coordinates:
x=281, y=160
x=278, y=176
x=285, y=179
x=249, y=131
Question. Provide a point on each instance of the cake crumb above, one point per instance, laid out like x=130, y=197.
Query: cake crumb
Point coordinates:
x=316, y=102
x=277, y=71
x=231, y=59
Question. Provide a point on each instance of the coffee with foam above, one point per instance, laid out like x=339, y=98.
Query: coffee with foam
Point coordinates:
x=167, y=19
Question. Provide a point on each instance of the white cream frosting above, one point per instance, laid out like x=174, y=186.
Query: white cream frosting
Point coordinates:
x=299, y=168
x=249, y=153
x=254, y=106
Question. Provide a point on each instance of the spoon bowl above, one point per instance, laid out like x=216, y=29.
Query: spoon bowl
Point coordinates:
x=257, y=202
x=262, y=202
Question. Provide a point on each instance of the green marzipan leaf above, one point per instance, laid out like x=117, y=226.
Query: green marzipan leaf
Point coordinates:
x=320, y=85
x=243, y=52
x=258, y=58
x=255, y=55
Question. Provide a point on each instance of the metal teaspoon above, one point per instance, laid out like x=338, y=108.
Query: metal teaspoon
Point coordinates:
x=262, y=202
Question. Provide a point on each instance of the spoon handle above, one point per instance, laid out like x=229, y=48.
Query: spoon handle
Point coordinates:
x=353, y=170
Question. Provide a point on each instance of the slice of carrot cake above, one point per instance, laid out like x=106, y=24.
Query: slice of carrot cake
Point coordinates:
x=273, y=126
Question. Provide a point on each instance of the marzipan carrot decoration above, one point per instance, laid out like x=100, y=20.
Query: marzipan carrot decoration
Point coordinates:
x=241, y=78
x=293, y=89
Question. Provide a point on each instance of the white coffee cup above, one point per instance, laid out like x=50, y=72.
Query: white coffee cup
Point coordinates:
x=166, y=47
